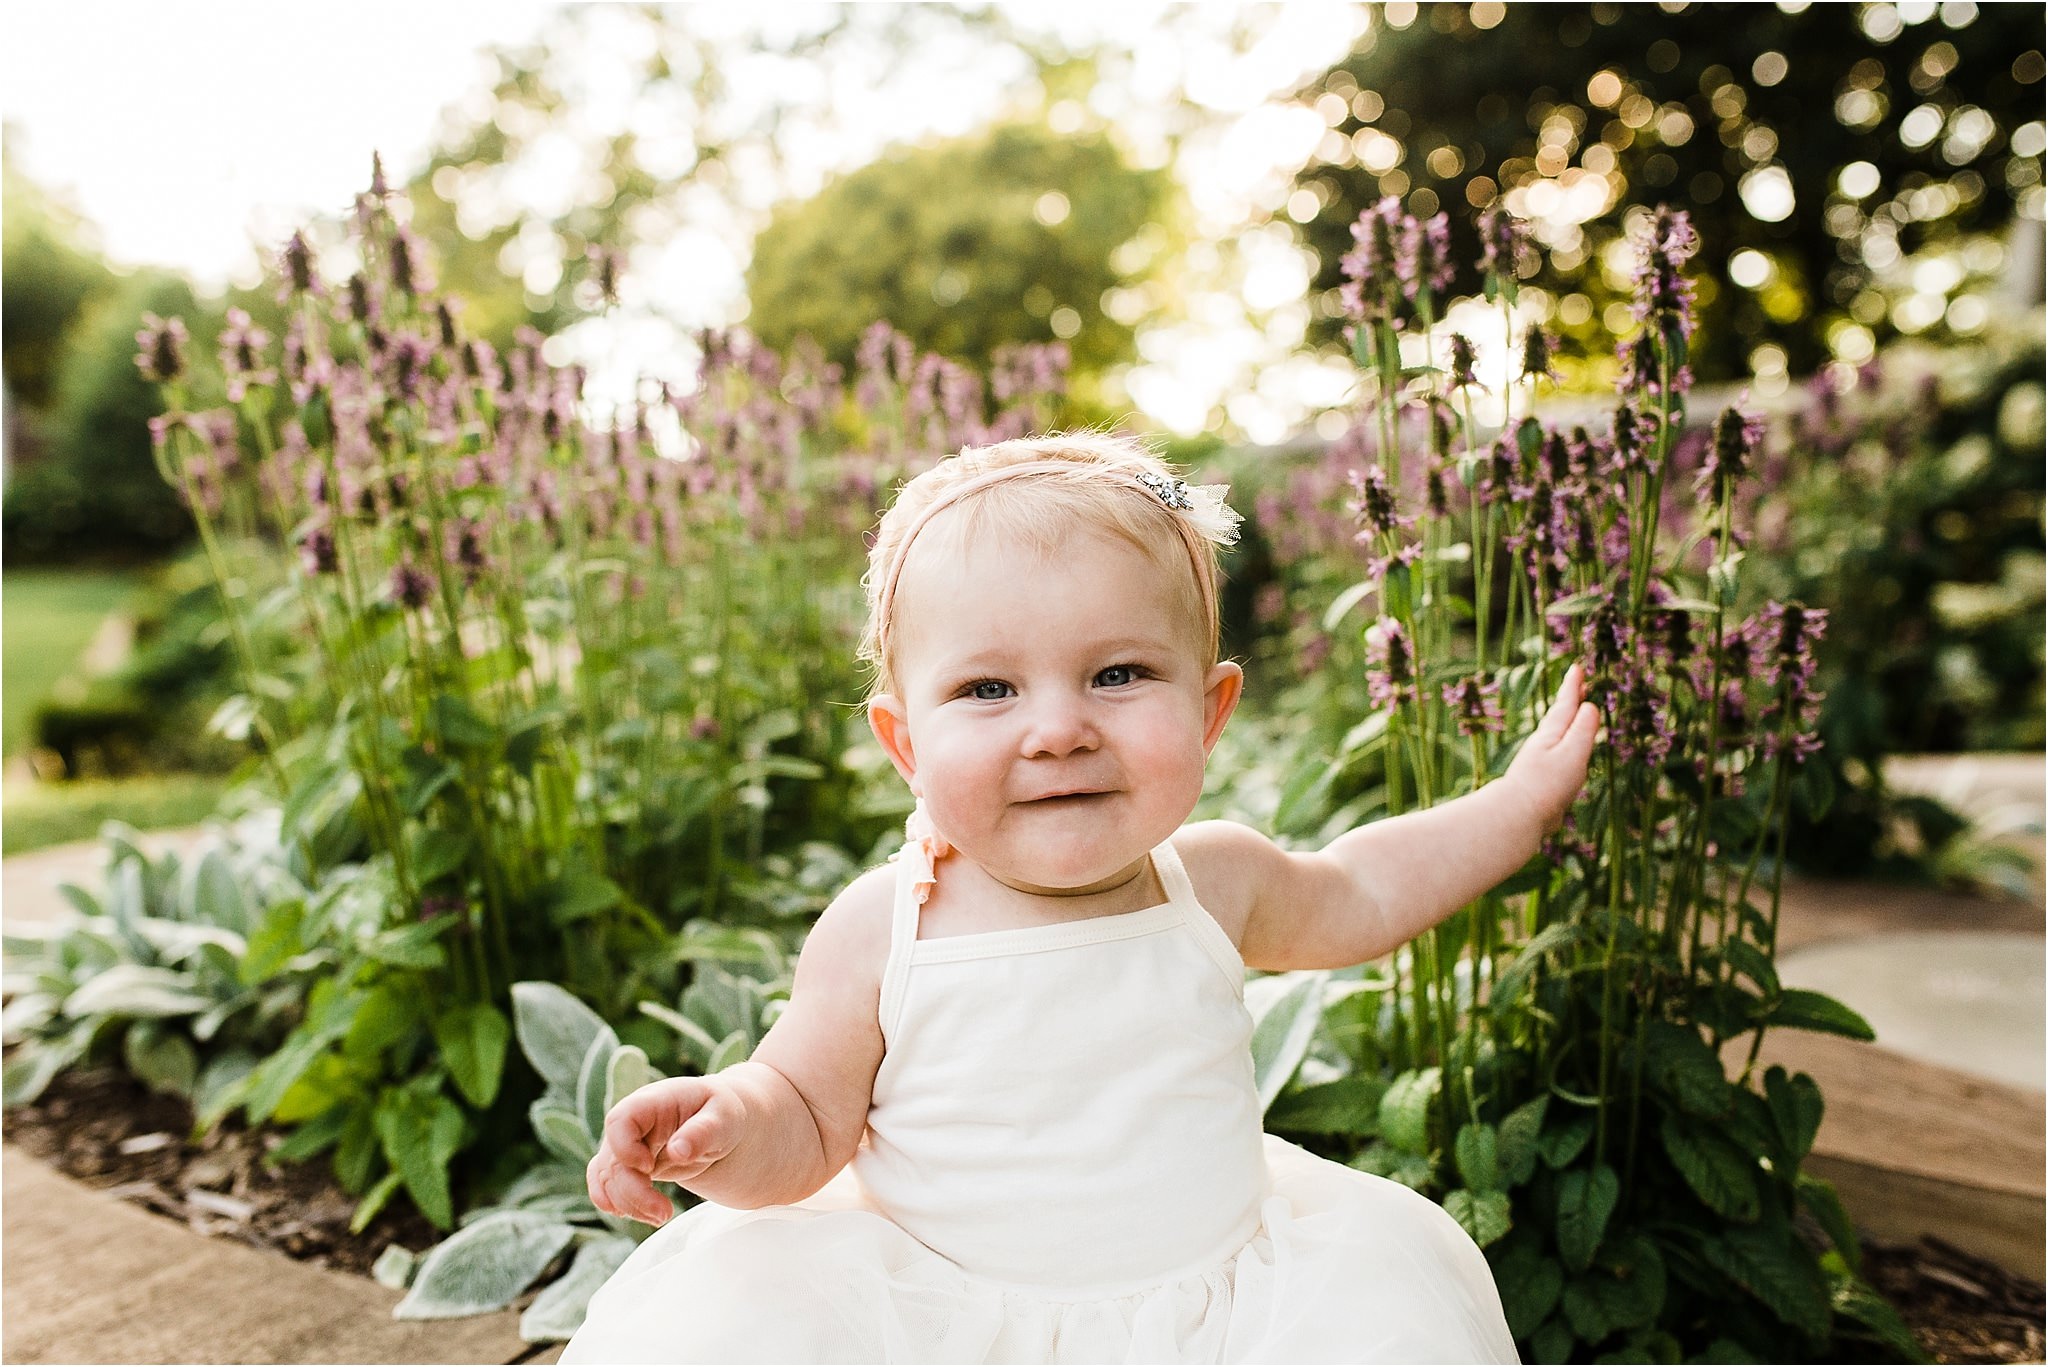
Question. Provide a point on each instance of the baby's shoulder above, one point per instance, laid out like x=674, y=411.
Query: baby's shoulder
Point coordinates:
x=1225, y=861
x=851, y=935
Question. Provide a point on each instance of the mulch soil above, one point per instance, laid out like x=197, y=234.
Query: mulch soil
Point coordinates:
x=108, y=1130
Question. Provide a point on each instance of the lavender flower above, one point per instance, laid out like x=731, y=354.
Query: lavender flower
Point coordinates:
x=297, y=259
x=317, y=552
x=362, y=305
x=1462, y=362
x=162, y=357
x=1539, y=349
x=1503, y=250
x=1423, y=261
x=241, y=355
x=465, y=549
x=408, y=265
x=1476, y=705
x=1390, y=674
x=1372, y=282
x=604, y=270
x=410, y=586
x=1737, y=438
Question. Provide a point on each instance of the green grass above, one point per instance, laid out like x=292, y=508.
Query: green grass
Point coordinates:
x=46, y=619
x=34, y=816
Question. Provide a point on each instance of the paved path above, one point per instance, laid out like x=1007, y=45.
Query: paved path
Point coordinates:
x=91, y=1279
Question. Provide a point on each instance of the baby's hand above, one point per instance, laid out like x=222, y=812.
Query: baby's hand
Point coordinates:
x=1550, y=768
x=668, y=1131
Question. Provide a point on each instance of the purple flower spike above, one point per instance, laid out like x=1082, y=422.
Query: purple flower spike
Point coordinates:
x=1476, y=705
x=162, y=358
x=1370, y=273
x=1423, y=262
x=1738, y=436
x=410, y=585
x=1390, y=664
x=1463, y=360
x=299, y=277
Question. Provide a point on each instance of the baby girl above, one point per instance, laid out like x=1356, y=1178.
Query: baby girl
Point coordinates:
x=1009, y=1112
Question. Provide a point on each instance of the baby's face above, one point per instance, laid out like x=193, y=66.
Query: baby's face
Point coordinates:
x=1054, y=713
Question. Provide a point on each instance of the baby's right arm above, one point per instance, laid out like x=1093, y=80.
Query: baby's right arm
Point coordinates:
x=774, y=1129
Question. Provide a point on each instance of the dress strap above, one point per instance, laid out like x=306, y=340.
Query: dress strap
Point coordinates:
x=1180, y=891
x=902, y=939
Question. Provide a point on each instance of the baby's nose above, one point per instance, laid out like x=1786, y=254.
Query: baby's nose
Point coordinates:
x=1059, y=727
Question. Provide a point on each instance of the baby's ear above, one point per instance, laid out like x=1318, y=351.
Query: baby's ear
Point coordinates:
x=1221, y=689
x=890, y=721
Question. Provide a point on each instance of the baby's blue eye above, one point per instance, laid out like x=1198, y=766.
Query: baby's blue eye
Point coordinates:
x=988, y=690
x=1116, y=676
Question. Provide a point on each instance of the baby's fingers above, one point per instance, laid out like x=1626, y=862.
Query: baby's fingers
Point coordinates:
x=709, y=1135
x=1565, y=708
x=619, y=1190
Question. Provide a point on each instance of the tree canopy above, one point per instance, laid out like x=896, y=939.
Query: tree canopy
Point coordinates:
x=1827, y=140
x=1015, y=234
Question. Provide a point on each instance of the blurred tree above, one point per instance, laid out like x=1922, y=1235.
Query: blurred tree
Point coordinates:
x=1816, y=143
x=98, y=496
x=1015, y=234
x=49, y=273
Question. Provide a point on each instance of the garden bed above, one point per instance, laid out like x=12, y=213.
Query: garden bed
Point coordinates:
x=107, y=1130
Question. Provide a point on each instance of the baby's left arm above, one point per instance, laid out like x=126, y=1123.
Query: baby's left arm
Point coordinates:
x=1375, y=888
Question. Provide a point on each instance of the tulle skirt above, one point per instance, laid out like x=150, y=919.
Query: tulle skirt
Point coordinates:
x=1344, y=1267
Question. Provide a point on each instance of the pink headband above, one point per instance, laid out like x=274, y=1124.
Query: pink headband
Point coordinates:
x=1205, y=517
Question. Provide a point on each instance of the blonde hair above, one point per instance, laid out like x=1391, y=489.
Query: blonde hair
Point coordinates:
x=1042, y=507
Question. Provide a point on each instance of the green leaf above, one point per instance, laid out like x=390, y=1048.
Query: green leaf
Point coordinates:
x=1343, y=603
x=1825, y=1205
x=1530, y=1282
x=473, y=1040
x=734, y=1048
x=557, y=1312
x=425, y=776
x=554, y=1031
x=412, y=946
x=36, y=1062
x=215, y=895
x=220, y=1086
x=1565, y=1137
x=1285, y=1010
x=1517, y=1147
x=592, y=1080
x=1552, y=1342
x=1859, y=1304
x=419, y=1131
x=1718, y=1172
x=1798, y=1009
x=1478, y=1154
x=1625, y=1288
x=559, y=1128
x=1382, y=1159
x=1796, y=1109
x=580, y=894
x=1484, y=1214
x=456, y=722
x=1585, y=1202
x=1683, y=1063
x=1404, y=1110
x=435, y=853
x=1344, y=1106
x=275, y=942
x=1752, y=963
x=137, y=990
x=1507, y=988
x=483, y=1266
x=164, y=1061
x=629, y=1071
x=317, y=1135
x=387, y=1015
x=1768, y=1261
x=373, y=1202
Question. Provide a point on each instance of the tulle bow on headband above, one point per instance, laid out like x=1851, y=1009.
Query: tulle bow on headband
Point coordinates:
x=1215, y=519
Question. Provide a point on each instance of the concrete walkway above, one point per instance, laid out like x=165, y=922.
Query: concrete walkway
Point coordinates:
x=1913, y=1148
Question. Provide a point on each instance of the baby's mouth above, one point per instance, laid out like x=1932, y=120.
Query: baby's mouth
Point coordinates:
x=1067, y=799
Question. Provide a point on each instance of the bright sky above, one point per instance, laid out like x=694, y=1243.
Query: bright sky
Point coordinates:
x=190, y=133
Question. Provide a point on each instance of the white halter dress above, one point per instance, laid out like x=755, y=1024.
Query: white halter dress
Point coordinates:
x=1063, y=1163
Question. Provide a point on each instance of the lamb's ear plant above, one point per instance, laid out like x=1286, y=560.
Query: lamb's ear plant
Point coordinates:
x=545, y=1222
x=1571, y=1064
